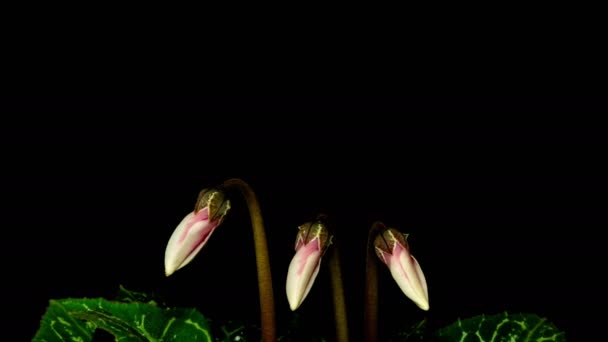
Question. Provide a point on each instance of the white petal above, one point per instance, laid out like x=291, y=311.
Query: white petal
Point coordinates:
x=301, y=274
x=422, y=280
x=171, y=258
x=194, y=243
x=187, y=240
x=406, y=272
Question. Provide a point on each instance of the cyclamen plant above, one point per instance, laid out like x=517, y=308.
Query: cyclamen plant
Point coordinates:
x=196, y=228
x=137, y=317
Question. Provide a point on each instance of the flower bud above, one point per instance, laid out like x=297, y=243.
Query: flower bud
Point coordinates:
x=392, y=248
x=195, y=229
x=311, y=243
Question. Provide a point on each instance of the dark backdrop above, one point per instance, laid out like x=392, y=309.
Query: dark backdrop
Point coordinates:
x=503, y=214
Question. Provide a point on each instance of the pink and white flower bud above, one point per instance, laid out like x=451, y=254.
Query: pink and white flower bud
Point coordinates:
x=194, y=230
x=392, y=248
x=311, y=243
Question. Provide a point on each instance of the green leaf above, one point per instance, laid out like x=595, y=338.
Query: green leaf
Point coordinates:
x=58, y=325
x=523, y=327
x=76, y=319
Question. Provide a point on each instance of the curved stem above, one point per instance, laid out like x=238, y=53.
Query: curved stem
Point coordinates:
x=371, y=286
x=338, y=292
x=267, y=314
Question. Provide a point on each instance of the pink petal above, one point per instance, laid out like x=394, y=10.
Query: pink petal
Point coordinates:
x=187, y=240
x=407, y=273
x=192, y=219
x=302, y=273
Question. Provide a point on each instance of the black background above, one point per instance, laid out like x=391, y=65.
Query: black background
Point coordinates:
x=504, y=207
